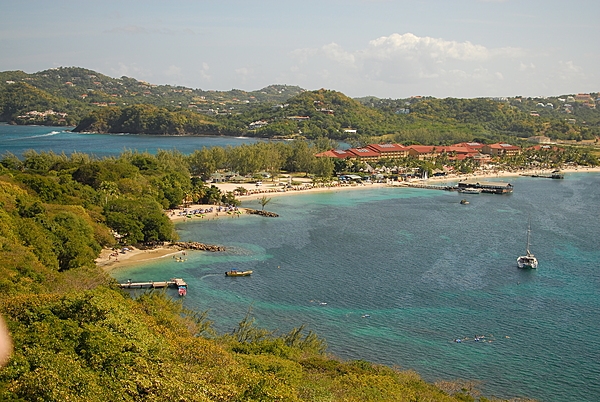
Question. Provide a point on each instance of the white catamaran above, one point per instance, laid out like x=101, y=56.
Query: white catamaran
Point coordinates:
x=528, y=260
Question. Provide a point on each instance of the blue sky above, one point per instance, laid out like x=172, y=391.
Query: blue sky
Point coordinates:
x=385, y=48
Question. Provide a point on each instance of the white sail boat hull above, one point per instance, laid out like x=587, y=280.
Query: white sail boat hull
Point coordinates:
x=528, y=260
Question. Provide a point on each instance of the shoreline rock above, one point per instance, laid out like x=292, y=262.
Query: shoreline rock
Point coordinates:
x=194, y=245
x=262, y=213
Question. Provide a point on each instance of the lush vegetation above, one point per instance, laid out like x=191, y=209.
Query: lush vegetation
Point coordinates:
x=78, y=91
x=78, y=337
x=97, y=103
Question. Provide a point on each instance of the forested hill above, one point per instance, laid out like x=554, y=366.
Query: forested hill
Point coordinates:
x=78, y=91
x=97, y=103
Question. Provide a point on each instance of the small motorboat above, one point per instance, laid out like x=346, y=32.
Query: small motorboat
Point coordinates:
x=235, y=272
x=464, y=202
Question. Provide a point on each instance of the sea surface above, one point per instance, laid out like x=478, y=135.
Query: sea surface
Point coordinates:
x=396, y=275
x=18, y=139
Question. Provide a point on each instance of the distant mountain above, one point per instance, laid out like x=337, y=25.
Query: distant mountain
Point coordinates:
x=91, y=88
x=98, y=103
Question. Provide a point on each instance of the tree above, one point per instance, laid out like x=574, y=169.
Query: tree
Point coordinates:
x=263, y=201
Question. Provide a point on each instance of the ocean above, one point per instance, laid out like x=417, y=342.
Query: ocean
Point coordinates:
x=396, y=275
x=18, y=139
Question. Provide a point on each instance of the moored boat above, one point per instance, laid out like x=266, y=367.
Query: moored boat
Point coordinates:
x=528, y=260
x=235, y=272
x=486, y=187
x=470, y=190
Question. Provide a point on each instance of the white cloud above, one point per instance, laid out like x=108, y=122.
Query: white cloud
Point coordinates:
x=404, y=61
x=173, y=71
x=569, y=67
x=412, y=47
x=335, y=52
x=525, y=67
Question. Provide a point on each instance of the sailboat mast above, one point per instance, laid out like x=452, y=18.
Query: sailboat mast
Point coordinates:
x=528, y=236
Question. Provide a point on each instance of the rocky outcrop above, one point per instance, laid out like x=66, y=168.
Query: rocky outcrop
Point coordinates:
x=262, y=213
x=193, y=245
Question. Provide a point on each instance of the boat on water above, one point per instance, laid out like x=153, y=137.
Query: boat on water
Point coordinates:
x=528, y=260
x=470, y=190
x=235, y=272
x=493, y=187
x=464, y=202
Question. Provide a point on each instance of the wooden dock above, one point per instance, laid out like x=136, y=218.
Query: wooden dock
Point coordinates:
x=553, y=175
x=174, y=282
x=427, y=186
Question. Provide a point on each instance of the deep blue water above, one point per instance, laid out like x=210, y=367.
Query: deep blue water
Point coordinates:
x=18, y=139
x=427, y=270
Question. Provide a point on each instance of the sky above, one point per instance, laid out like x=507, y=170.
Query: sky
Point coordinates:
x=384, y=48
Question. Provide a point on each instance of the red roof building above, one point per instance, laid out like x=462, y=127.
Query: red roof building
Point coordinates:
x=500, y=149
x=424, y=151
x=364, y=154
x=335, y=153
x=472, y=145
x=390, y=151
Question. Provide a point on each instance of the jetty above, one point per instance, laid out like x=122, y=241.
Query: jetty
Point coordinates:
x=427, y=186
x=480, y=186
x=174, y=282
x=554, y=175
x=493, y=187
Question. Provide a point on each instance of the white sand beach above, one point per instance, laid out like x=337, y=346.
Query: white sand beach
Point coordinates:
x=273, y=189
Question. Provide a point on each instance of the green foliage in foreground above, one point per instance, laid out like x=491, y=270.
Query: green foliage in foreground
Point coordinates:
x=101, y=345
x=78, y=337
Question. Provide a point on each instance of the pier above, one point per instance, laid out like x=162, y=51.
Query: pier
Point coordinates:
x=428, y=186
x=174, y=282
x=484, y=187
x=553, y=175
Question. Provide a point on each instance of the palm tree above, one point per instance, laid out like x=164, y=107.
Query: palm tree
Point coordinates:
x=264, y=200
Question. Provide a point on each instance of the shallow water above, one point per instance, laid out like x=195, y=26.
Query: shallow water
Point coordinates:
x=427, y=270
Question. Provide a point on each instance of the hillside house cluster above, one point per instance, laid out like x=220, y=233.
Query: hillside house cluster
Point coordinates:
x=374, y=152
x=35, y=115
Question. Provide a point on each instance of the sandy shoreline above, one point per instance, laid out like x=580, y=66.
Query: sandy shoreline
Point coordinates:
x=135, y=256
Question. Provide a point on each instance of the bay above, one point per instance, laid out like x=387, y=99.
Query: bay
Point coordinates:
x=394, y=276
x=425, y=269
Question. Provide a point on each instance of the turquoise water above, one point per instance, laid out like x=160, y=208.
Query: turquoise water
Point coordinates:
x=427, y=270
x=18, y=139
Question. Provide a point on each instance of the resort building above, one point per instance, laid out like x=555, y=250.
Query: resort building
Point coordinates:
x=374, y=152
x=391, y=151
x=423, y=152
x=335, y=153
x=501, y=149
x=364, y=154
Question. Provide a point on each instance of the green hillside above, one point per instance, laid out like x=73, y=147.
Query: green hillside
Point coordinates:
x=78, y=337
x=97, y=103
